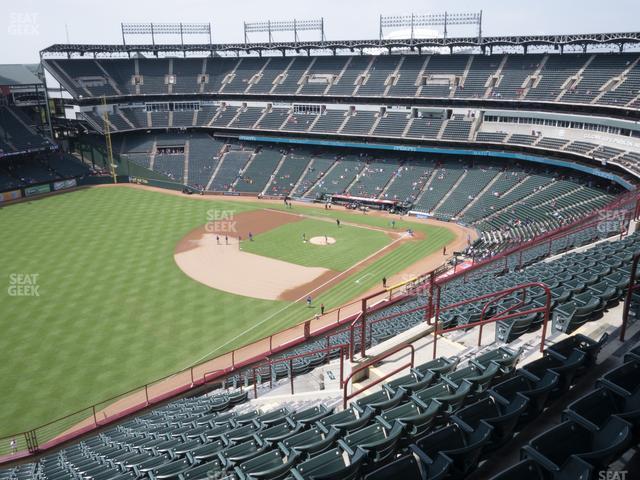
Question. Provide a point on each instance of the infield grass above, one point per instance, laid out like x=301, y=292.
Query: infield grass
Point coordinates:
x=114, y=311
x=286, y=243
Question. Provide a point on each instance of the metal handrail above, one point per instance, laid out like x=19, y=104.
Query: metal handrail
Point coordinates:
x=368, y=363
x=546, y=309
x=266, y=362
x=633, y=285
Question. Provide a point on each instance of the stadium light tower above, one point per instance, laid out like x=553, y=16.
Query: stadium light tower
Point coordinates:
x=294, y=26
x=154, y=29
x=431, y=20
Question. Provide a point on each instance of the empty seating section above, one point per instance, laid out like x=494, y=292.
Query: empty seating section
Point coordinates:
x=321, y=74
x=406, y=84
x=392, y=124
x=244, y=72
x=581, y=286
x=606, y=152
x=138, y=117
x=558, y=203
x=216, y=73
x=247, y=118
x=488, y=202
x=630, y=160
x=159, y=119
x=88, y=77
x=475, y=83
x=373, y=178
x=265, y=81
x=299, y=122
x=515, y=74
x=274, y=119
x=122, y=72
x=492, y=137
x=525, y=185
x=21, y=172
x=408, y=181
x=119, y=120
x=474, y=181
x=204, y=155
x=65, y=165
x=182, y=118
x=154, y=73
x=290, y=172
x=425, y=127
x=293, y=76
x=595, y=430
x=345, y=84
x=580, y=147
x=329, y=121
x=224, y=116
x=170, y=165
x=442, y=182
x=595, y=77
x=609, y=79
x=625, y=92
x=554, y=74
x=378, y=75
x=439, y=77
x=205, y=115
x=552, y=143
x=522, y=139
x=16, y=133
x=187, y=72
x=255, y=177
x=232, y=164
x=316, y=170
x=457, y=128
x=359, y=123
x=339, y=176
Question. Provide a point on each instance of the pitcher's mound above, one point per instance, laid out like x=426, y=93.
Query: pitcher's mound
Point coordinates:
x=322, y=240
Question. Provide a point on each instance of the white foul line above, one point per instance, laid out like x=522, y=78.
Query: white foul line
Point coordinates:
x=303, y=297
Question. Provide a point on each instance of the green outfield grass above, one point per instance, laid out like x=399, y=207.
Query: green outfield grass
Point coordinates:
x=285, y=243
x=115, y=312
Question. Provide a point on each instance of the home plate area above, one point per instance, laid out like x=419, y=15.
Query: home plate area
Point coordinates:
x=322, y=240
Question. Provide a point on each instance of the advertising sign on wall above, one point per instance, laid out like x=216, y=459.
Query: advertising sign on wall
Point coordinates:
x=8, y=196
x=64, y=184
x=37, y=190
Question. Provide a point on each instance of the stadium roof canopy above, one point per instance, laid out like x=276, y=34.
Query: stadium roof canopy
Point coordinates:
x=525, y=41
x=18, y=74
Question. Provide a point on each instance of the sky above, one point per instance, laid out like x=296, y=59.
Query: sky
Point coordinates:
x=32, y=25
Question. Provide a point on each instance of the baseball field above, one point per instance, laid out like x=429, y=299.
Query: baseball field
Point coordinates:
x=106, y=289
